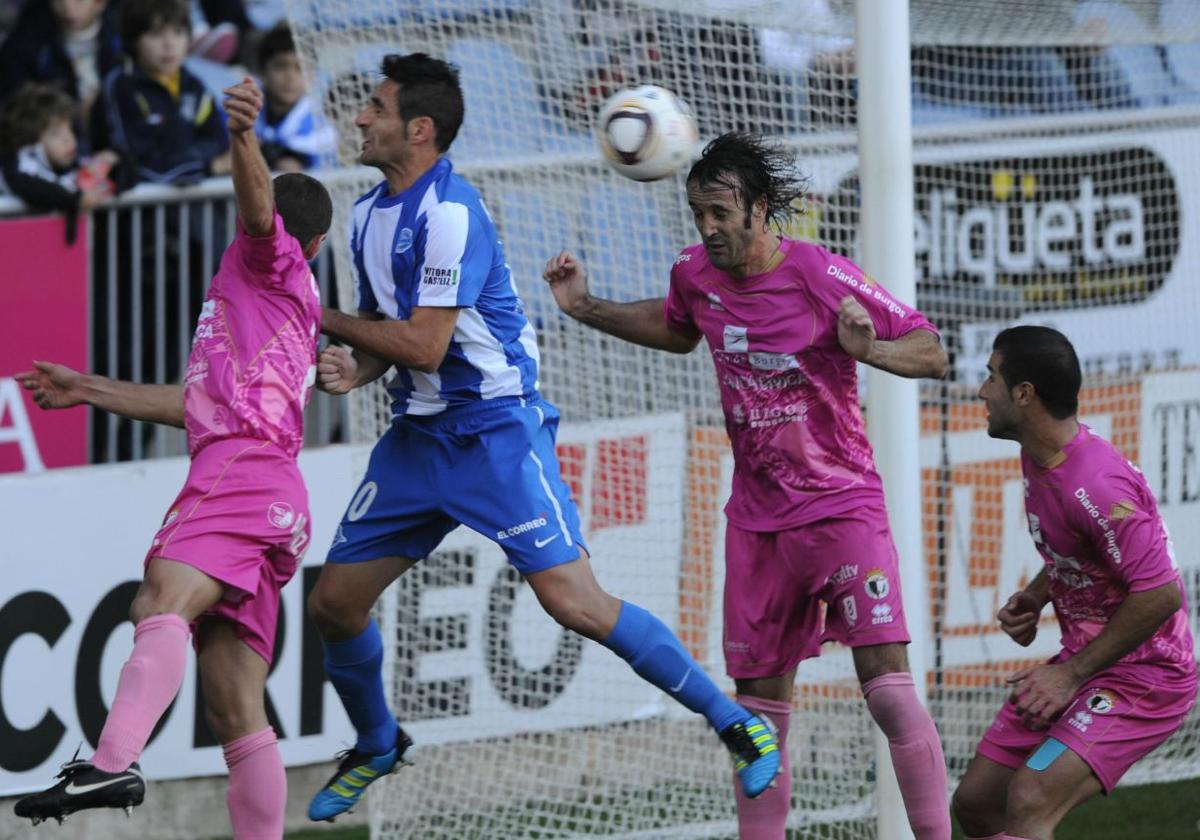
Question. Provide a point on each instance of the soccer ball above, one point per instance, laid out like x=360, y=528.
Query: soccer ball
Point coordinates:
x=646, y=133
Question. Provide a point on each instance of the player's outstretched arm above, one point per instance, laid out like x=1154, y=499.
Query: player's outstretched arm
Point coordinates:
x=916, y=355
x=640, y=322
x=58, y=386
x=251, y=178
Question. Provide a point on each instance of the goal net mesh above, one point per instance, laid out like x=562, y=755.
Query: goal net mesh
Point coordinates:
x=1055, y=147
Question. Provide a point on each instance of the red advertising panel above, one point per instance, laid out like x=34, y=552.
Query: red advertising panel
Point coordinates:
x=44, y=301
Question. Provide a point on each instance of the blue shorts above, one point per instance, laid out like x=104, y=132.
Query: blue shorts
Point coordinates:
x=490, y=467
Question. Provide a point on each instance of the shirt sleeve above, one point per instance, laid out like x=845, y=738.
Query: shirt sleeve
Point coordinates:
x=458, y=257
x=269, y=259
x=675, y=308
x=892, y=318
x=1125, y=530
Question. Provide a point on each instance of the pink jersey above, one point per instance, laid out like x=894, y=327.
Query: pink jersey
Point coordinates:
x=253, y=359
x=788, y=389
x=1097, y=526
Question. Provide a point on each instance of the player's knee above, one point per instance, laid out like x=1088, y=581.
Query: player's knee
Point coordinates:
x=974, y=810
x=233, y=718
x=150, y=603
x=1028, y=798
x=331, y=614
x=577, y=615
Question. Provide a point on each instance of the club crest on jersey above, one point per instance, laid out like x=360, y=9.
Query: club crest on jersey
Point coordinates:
x=714, y=300
x=876, y=584
x=281, y=515
x=1101, y=702
x=404, y=240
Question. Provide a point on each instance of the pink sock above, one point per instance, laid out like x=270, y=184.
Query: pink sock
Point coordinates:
x=149, y=681
x=765, y=817
x=257, y=786
x=916, y=753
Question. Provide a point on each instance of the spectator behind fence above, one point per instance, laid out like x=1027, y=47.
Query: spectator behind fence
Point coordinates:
x=292, y=132
x=153, y=112
x=72, y=44
x=39, y=156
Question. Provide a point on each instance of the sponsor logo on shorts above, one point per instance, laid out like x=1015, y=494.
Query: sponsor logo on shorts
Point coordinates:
x=339, y=536
x=281, y=515
x=881, y=614
x=1081, y=720
x=876, y=584
x=850, y=610
x=545, y=542
x=1101, y=702
x=531, y=525
x=846, y=572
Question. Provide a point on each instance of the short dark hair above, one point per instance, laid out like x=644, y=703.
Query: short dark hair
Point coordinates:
x=754, y=168
x=1045, y=359
x=304, y=205
x=140, y=16
x=277, y=41
x=429, y=87
x=31, y=110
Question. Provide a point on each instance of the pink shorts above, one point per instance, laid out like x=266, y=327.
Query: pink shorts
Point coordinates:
x=1116, y=718
x=786, y=592
x=241, y=518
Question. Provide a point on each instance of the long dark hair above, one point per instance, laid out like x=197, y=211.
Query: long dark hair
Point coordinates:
x=754, y=167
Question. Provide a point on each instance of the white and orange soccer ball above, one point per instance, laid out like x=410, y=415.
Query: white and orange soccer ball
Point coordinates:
x=646, y=133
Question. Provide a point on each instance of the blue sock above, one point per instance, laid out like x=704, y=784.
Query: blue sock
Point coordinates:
x=656, y=656
x=355, y=667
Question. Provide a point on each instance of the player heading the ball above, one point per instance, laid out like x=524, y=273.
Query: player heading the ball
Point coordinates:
x=787, y=323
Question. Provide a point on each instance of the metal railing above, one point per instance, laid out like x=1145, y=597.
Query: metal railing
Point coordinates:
x=152, y=255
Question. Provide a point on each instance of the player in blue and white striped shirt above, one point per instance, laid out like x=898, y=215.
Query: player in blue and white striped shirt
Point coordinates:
x=472, y=441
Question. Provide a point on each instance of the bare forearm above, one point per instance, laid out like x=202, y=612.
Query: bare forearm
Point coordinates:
x=1133, y=623
x=1039, y=587
x=641, y=322
x=252, y=184
x=918, y=354
x=370, y=368
x=152, y=403
x=393, y=342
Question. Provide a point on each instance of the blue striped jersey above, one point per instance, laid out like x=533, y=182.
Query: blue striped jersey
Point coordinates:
x=435, y=245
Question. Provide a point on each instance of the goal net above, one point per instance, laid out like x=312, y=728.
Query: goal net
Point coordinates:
x=1055, y=149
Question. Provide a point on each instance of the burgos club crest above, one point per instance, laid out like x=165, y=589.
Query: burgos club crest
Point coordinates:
x=877, y=584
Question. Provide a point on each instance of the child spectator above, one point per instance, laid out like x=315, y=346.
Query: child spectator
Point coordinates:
x=39, y=155
x=292, y=132
x=153, y=112
x=72, y=44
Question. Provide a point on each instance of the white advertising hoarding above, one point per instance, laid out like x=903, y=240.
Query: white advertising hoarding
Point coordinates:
x=72, y=549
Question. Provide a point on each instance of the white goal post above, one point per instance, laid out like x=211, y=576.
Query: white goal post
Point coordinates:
x=1052, y=169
